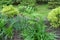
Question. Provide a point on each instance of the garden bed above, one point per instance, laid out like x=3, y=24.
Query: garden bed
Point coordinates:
x=28, y=20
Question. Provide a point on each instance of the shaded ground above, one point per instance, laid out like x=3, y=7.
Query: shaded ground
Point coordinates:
x=17, y=36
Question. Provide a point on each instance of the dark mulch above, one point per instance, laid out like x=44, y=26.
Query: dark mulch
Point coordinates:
x=17, y=35
x=51, y=29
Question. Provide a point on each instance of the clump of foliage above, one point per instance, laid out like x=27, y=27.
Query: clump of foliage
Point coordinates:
x=9, y=11
x=54, y=17
x=6, y=32
x=34, y=29
x=26, y=9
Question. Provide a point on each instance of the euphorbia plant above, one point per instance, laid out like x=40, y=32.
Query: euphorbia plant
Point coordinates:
x=54, y=17
x=9, y=11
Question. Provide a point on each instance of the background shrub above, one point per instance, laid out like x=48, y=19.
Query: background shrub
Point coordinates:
x=5, y=2
x=54, y=3
x=54, y=17
x=28, y=2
